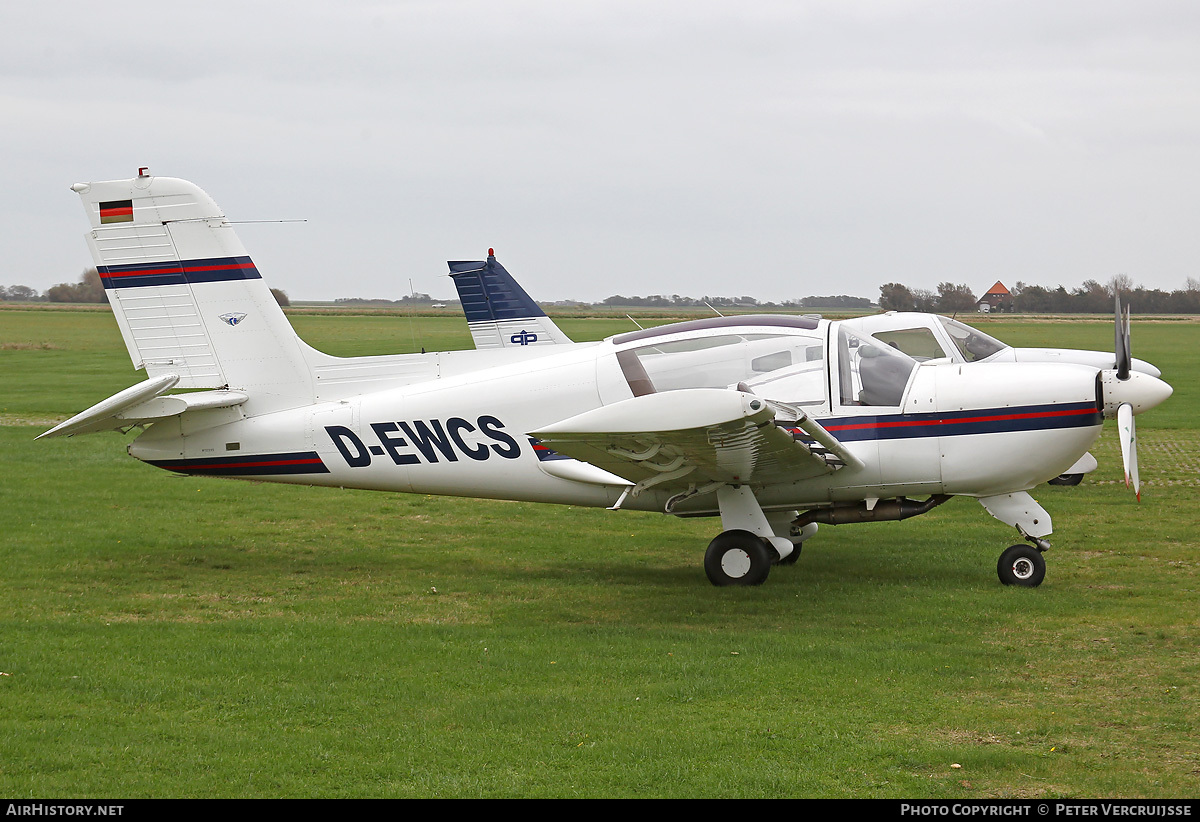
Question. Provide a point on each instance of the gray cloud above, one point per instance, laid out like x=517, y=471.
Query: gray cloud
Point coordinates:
x=772, y=149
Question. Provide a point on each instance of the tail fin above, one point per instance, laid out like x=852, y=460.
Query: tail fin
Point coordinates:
x=187, y=298
x=499, y=312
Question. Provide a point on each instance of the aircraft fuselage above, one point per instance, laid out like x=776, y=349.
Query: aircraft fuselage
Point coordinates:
x=975, y=431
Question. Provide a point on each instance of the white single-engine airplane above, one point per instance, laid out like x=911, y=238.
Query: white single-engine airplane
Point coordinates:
x=773, y=423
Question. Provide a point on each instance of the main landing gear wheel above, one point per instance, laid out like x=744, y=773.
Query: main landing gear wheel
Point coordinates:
x=738, y=558
x=1022, y=565
x=1067, y=479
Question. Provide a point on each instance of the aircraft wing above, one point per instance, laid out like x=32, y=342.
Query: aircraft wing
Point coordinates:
x=695, y=437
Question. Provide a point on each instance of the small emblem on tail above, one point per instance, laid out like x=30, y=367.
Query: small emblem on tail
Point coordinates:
x=524, y=338
x=231, y=318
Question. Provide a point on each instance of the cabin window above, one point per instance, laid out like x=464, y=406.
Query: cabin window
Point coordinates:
x=870, y=372
x=789, y=368
x=918, y=343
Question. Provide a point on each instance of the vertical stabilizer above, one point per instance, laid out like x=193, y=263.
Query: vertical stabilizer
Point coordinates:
x=499, y=312
x=187, y=297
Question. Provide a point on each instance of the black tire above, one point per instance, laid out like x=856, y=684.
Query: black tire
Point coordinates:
x=738, y=558
x=1021, y=565
x=1067, y=479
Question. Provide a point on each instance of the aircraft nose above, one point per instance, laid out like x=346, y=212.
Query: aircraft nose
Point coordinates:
x=1140, y=391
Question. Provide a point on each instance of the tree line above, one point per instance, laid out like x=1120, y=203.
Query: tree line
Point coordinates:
x=89, y=289
x=416, y=298
x=678, y=301
x=1092, y=297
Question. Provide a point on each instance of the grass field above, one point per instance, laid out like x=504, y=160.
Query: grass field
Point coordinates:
x=165, y=636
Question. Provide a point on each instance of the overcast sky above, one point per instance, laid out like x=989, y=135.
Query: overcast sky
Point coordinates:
x=772, y=149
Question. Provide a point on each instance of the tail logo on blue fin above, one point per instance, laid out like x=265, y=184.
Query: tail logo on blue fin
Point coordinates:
x=499, y=312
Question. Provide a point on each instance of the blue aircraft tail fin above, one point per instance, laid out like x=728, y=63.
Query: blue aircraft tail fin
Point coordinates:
x=499, y=312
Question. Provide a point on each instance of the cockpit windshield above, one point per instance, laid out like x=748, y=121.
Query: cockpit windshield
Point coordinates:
x=971, y=342
x=870, y=372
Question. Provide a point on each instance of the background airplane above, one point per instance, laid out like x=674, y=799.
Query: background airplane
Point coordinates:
x=772, y=423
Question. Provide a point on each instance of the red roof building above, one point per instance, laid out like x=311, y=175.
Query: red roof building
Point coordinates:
x=997, y=298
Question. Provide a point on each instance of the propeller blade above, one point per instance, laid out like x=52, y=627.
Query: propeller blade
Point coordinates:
x=1128, y=432
x=1128, y=339
x=1121, y=346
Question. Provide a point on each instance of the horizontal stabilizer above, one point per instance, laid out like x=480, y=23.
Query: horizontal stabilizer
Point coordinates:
x=499, y=312
x=143, y=403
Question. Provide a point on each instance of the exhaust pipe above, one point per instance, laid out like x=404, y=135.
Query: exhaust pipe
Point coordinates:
x=884, y=511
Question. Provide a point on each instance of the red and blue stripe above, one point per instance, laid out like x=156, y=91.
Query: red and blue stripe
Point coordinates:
x=258, y=465
x=178, y=272
x=960, y=423
x=545, y=453
x=934, y=424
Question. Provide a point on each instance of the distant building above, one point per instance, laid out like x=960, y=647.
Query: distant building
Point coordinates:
x=997, y=298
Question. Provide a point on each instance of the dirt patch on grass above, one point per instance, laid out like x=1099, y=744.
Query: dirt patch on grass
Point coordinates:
x=1165, y=458
x=29, y=346
x=19, y=420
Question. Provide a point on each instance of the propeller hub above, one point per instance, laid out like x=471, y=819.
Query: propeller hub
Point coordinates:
x=1139, y=391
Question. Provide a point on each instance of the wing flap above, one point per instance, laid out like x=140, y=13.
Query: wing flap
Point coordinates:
x=678, y=439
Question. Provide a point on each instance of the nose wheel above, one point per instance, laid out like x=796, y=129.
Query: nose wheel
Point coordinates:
x=1021, y=565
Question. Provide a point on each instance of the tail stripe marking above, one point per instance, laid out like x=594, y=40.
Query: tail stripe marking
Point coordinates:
x=178, y=272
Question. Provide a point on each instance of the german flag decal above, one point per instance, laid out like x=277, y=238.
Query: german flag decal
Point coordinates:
x=118, y=211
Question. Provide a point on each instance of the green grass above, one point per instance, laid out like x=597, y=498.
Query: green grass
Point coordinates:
x=164, y=636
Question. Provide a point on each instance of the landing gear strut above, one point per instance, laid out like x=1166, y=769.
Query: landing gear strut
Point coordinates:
x=1021, y=565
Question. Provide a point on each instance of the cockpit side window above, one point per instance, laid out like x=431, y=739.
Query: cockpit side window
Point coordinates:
x=918, y=343
x=870, y=372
